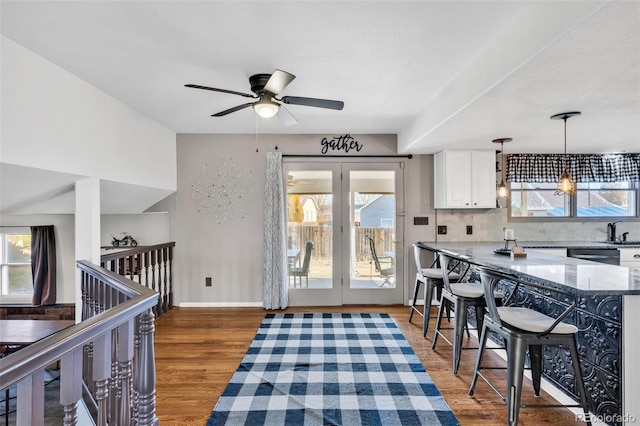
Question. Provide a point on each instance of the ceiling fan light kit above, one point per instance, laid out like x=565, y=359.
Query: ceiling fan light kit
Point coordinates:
x=566, y=185
x=266, y=88
x=266, y=108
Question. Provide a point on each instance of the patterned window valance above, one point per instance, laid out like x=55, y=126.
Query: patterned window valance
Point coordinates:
x=582, y=167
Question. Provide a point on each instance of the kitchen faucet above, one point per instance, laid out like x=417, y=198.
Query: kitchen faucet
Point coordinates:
x=611, y=226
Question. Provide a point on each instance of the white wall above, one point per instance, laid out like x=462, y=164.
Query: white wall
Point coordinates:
x=146, y=228
x=73, y=127
x=65, y=252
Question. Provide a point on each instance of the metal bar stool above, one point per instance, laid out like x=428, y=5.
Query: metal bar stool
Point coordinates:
x=432, y=279
x=523, y=328
x=461, y=295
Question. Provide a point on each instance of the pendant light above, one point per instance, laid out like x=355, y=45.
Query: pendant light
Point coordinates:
x=502, y=188
x=566, y=185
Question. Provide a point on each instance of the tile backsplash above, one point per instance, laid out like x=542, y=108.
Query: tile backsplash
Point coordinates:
x=488, y=226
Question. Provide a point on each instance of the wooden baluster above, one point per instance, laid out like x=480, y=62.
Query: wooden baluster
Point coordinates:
x=164, y=298
x=146, y=269
x=161, y=271
x=31, y=400
x=114, y=382
x=146, y=372
x=125, y=356
x=154, y=273
x=170, y=290
x=136, y=370
x=71, y=385
x=101, y=373
x=87, y=366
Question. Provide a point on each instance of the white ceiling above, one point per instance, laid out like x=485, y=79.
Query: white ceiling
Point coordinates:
x=440, y=74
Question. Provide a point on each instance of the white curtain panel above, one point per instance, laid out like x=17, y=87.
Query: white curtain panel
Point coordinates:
x=274, y=290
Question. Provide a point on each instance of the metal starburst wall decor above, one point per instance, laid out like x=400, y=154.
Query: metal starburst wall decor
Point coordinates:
x=222, y=190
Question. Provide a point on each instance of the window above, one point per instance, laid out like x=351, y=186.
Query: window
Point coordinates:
x=606, y=199
x=608, y=185
x=595, y=200
x=537, y=200
x=16, y=282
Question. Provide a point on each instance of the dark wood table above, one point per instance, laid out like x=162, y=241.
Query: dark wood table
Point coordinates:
x=16, y=334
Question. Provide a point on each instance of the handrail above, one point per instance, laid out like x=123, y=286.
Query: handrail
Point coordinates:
x=130, y=251
x=150, y=266
x=121, y=335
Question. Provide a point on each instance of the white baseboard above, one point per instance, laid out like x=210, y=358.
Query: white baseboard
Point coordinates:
x=220, y=304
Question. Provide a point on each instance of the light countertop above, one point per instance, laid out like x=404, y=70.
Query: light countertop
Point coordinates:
x=584, y=276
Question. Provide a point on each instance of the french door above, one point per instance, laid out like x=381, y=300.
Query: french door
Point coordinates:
x=345, y=233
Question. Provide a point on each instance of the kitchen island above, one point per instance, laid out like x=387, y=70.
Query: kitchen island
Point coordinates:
x=607, y=315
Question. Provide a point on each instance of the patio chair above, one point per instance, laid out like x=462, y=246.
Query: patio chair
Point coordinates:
x=302, y=271
x=386, y=272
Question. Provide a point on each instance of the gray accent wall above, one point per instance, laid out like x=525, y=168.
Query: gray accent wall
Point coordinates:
x=231, y=253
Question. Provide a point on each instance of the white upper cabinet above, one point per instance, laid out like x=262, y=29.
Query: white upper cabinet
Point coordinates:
x=465, y=179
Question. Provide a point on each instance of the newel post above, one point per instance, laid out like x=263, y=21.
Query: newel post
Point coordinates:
x=146, y=372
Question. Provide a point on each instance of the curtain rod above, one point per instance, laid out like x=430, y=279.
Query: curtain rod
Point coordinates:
x=347, y=156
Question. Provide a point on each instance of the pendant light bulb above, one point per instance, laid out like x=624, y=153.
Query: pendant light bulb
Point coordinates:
x=503, y=192
x=566, y=185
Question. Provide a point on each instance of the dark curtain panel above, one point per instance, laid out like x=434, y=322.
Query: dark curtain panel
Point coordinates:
x=581, y=167
x=43, y=265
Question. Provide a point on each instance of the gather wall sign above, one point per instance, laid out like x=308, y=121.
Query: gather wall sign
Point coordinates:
x=344, y=143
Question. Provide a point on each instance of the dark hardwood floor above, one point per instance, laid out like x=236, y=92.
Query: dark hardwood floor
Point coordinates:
x=198, y=350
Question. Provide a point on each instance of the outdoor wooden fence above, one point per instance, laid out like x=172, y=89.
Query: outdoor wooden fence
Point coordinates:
x=322, y=237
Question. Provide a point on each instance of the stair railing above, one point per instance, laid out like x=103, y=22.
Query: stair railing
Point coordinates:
x=112, y=348
x=150, y=266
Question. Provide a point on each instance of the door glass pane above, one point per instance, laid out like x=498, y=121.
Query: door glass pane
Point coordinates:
x=372, y=210
x=310, y=229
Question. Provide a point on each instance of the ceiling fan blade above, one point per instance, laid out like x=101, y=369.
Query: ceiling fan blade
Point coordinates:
x=286, y=117
x=313, y=102
x=233, y=92
x=278, y=81
x=234, y=109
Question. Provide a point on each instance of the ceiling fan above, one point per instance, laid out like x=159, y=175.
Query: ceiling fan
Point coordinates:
x=266, y=88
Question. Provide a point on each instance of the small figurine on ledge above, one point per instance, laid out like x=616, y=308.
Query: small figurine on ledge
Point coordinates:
x=127, y=240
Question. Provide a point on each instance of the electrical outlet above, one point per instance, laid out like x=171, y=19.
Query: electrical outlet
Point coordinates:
x=469, y=230
x=207, y=282
x=442, y=230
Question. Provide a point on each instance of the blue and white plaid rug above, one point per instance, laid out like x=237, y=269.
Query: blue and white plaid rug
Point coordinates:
x=330, y=369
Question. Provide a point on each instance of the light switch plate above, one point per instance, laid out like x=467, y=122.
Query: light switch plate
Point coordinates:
x=421, y=220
